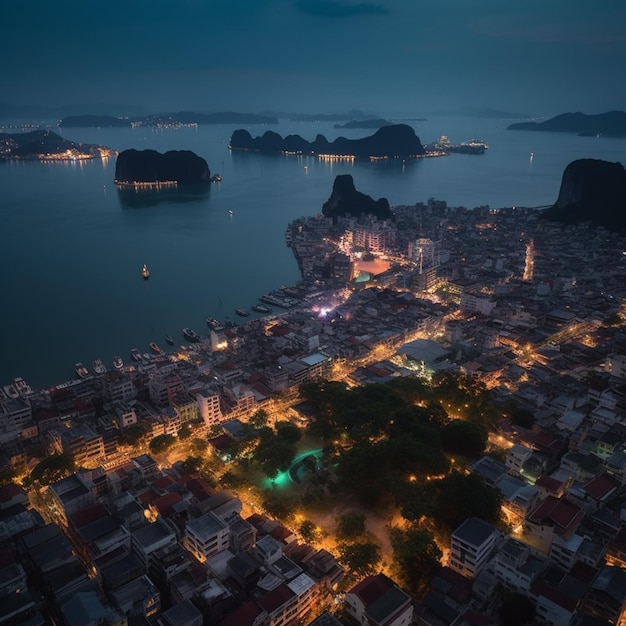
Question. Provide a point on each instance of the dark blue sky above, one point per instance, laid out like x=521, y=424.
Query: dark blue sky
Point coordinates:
x=386, y=56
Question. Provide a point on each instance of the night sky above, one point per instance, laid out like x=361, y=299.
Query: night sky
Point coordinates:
x=393, y=57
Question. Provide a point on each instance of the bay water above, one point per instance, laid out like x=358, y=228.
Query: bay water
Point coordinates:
x=73, y=245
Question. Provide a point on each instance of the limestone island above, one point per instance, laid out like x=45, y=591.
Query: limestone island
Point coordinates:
x=45, y=145
x=165, y=120
x=149, y=168
x=346, y=201
x=371, y=123
x=611, y=124
x=397, y=141
x=592, y=191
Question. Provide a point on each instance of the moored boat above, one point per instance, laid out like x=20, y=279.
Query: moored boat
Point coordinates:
x=118, y=364
x=10, y=391
x=99, y=367
x=211, y=322
x=144, y=272
x=81, y=370
x=155, y=348
x=242, y=312
x=191, y=335
x=135, y=355
x=169, y=340
x=21, y=385
x=261, y=308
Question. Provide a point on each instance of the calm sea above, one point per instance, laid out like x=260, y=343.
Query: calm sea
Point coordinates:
x=73, y=245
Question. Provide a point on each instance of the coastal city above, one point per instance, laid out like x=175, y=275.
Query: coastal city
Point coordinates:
x=119, y=501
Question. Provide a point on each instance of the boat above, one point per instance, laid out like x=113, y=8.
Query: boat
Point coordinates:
x=10, y=391
x=118, y=364
x=242, y=312
x=135, y=355
x=230, y=212
x=21, y=385
x=169, y=340
x=211, y=322
x=99, y=367
x=144, y=272
x=261, y=308
x=81, y=370
x=191, y=335
x=155, y=348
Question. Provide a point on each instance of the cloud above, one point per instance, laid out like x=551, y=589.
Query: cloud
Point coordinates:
x=338, y=8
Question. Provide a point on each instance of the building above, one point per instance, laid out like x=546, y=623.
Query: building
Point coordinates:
x=206, y=536
x=378, y=601
x=471, y=546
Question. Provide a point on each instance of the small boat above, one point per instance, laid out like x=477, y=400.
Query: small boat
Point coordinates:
x=211, y=322
x=21, y=385
x=11, y=392
x=169, y=340
x=99, y=367
x=191, y=335
x=242, y=312
x=144, y=272
x=81, y=370
x=261, y=308
x=135, y=355
x=155, y=348
x=230, y=212
x=118, y=364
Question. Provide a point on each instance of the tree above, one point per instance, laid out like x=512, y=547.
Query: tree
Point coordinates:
x=279, y=505
x=288, y=431
x=308, y=530
x=361, y=559
x=464, y=438
x=53, y=468
x=416, y=555
x=458, y=496
x=184, y=432
x=350, y=525
x=259, y=418
x=161, y=443
x=134, y=433
x=274, y=454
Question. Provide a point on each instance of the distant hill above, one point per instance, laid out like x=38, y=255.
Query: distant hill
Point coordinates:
x=46, y=145
x=395, y=141
x=94, y=121
x=346, y=200
x=611, y=124
x=152, y=167
x=371, y=123
x=591, y=191
x=189, y=117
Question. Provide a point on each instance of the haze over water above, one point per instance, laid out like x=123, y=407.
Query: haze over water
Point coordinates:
x=73, y=245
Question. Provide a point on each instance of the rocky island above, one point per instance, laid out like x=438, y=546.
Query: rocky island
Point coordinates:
x=397, y=141
x=346, y=200
x=165, y=120
x=45, y=145
x=611, y=124
x=151, y=168
x=592, y=191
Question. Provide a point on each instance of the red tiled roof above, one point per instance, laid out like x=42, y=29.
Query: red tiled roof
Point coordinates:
x=87, y=515
x=163, y=482
x=372, y=588
x=165, y=503
x=200, y=489
x=601, y=486
x=549, y=483
x=542, y=588
x=243, y=615
x=276, y=598
x=8, y=492
x=559, y=512
x=280, y=533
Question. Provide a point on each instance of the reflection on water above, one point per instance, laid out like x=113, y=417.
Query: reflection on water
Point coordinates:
x=138, y=197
